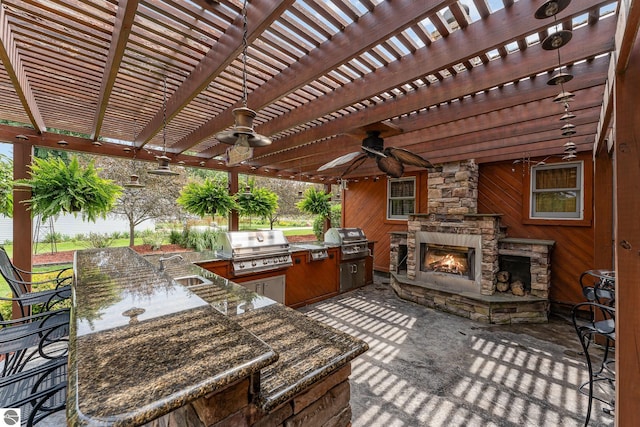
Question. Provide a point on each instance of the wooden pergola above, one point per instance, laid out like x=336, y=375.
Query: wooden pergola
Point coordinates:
x=446, y=79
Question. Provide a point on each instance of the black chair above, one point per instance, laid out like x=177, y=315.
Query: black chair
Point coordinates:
x=599, y=286
x=45, y=334
x=38, y=392
x=600, y=323
x=25, y=298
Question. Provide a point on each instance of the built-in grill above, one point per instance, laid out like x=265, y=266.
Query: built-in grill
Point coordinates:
x=352, y=241
x=256, y=251
x=354, y=249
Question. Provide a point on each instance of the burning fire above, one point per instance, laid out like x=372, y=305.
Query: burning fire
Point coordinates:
x=448, y=263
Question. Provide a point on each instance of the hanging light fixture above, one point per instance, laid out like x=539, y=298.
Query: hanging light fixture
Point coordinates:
x=242, y=136
x=134, y=179
x=163, y=161
x=551, y=8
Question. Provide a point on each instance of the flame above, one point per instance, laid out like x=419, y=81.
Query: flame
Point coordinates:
x=449, y=263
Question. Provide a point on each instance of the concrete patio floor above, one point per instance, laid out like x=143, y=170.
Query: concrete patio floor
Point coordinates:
x=429, y=368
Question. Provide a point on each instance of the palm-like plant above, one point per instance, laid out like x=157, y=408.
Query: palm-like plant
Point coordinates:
x=58, y=187
x=206, y=199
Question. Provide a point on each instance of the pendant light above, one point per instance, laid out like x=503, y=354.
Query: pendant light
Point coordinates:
x=242, y=135
x=163, y=161
x=134, y=179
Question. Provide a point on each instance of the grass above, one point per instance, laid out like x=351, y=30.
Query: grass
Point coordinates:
x=45, y=248
x=5, y=306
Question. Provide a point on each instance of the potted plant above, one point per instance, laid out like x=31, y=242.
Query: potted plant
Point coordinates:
x=206, y=199
x=58, y=187
x=316, y=202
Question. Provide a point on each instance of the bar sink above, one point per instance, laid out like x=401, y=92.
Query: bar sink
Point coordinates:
x=192, y=281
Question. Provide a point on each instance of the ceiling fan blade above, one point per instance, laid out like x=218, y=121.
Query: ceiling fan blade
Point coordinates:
x=374, y=152
x=407, y=157
x=340, y=161
x=355, y=164
x=391, y=166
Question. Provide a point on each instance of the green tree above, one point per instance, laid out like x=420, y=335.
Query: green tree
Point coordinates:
x=6, y=186
x=156, y=200
x=206, y=199
x=260, y=202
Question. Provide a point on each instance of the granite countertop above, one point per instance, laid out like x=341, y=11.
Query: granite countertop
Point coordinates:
x=143, y=344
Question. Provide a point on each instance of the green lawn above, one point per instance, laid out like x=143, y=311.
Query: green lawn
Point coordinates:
x=45, y=248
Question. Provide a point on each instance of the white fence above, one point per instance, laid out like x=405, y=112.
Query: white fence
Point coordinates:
x=68, y=225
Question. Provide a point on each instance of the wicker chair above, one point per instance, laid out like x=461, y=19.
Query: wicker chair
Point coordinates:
x=26, y=299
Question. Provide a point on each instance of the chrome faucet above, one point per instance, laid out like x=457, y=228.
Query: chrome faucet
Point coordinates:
x=162, y=260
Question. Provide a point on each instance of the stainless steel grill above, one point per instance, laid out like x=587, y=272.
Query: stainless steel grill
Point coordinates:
x=256, y=251
x=352, y=241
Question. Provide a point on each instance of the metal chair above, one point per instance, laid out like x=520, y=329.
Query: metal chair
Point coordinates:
x=38, y=392
x=25, y=298
x=45, y=334
x=599, y=286
x=601, y=323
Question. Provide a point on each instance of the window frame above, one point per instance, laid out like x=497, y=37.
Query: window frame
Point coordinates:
x=579, y=214
x=390, y=181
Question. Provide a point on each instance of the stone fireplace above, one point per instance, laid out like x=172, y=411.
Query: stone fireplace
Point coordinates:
x=453, y=255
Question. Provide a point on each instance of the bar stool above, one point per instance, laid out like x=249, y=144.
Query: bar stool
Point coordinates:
x=601, y=323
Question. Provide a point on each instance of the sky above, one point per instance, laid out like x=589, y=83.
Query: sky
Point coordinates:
x=6, y=149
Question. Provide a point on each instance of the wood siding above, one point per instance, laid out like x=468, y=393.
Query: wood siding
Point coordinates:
x=364, y=205
x=503, y=188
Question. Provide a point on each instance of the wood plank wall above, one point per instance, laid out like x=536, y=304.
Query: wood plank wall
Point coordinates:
x=364, y=206
x=504, y=188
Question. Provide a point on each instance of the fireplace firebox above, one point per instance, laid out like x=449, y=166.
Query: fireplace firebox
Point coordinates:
x=456, y=260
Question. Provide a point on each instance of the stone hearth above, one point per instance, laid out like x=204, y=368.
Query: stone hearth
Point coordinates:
x=453, y=220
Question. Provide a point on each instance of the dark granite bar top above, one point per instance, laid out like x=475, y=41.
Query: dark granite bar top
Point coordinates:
x=144, y=344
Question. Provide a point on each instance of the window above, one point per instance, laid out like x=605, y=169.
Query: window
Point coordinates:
x=557, y=191
x=401, y=198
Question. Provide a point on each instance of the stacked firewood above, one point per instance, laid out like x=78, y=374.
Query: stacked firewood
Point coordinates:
x=504, y=284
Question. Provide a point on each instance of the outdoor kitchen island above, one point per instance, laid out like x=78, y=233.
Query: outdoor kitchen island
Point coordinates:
x=170, y=343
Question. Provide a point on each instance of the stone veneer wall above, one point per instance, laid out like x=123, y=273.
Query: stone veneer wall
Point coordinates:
x=539, y=254
x=452, y=208
x=324, y=404
x=453, y=189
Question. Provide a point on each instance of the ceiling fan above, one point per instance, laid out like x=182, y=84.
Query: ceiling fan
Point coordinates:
x=390, y=160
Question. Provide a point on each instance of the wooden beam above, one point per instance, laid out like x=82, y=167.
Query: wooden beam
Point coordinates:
x=13, y=65
x=627, y=233
x=370, y=30
x=475, y=39
x=442, y=128
x=495, y=73
x=260, y=14
x=22, y=224
x=125, y=16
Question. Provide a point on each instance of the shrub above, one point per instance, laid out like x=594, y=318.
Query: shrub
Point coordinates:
x=201, y=240
x=52, y=237
x=97, y=240
x=152, y=239
x=178, y=238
